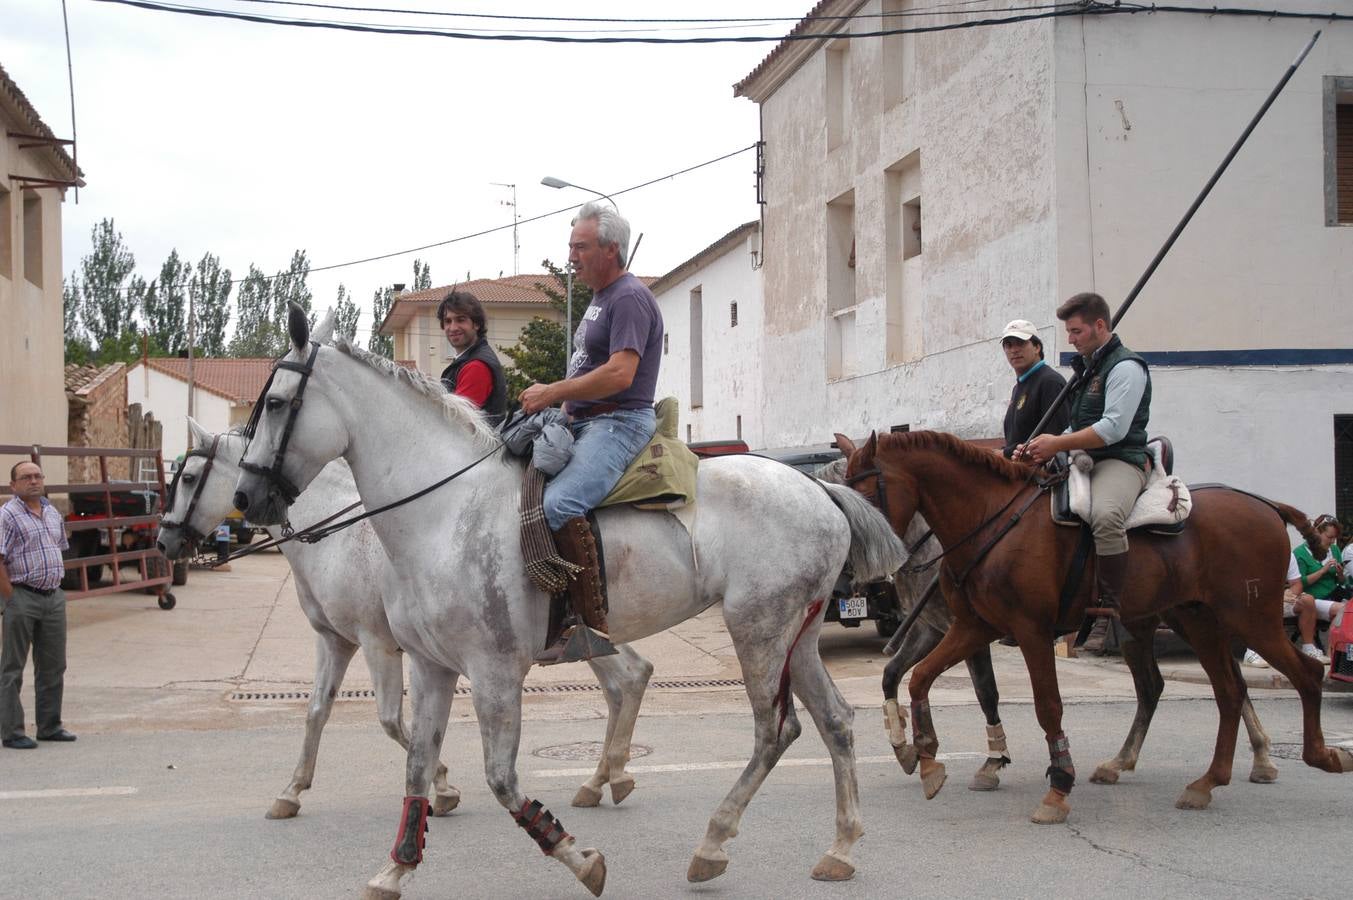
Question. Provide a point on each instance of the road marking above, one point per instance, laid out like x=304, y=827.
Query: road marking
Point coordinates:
x=67, y=792
x=735, y=764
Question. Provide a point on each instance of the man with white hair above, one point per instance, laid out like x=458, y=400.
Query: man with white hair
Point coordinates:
x=607, y=395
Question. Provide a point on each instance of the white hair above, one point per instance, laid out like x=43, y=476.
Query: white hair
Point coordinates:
x=613, y=230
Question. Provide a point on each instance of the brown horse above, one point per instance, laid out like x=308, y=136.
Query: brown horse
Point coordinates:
x=1222, y=576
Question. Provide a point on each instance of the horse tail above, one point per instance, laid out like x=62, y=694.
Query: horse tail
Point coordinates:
x=1297, y=519
x=876, y=552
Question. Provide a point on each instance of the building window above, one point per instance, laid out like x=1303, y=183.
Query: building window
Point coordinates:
x=739, y=427
x=1343, y=470
x=697, y=349
x=902, y=265
x=666, y=343
x=6, y=234
x=32, y=237
x=1338, y=120
x=840, y=263
x=733, y=314
x=899, y=52
x=836, y=101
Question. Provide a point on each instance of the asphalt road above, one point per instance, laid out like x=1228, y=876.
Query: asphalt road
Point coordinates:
x=179, y=813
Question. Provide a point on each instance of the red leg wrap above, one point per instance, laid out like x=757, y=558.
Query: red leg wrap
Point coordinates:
x=541, y=825
x=413, y=825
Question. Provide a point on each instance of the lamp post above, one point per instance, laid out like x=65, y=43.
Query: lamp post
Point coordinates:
x=552, y=182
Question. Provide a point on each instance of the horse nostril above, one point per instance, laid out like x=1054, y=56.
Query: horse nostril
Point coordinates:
x=241, y=501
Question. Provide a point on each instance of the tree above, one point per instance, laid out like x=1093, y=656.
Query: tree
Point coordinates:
x=290, y=287
x=539, y=353
x=346, y=313
x=381, y=344
x=106, y=309
x=210, y=290
x=256, y=333
x=77, y=345
x=422, y=275
x=164, y=306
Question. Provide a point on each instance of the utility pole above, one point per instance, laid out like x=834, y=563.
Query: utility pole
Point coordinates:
x=191, y=339
x=516, y=245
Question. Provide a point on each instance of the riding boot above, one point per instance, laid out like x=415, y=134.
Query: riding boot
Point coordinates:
x=587, y=598
x=1111, y=572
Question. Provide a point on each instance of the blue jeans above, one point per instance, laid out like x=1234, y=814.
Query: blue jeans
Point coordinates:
x=603, y=448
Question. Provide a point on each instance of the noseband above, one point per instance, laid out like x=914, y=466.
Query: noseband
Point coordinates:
x=273, y=473
x=185, y=527
x=880, y=496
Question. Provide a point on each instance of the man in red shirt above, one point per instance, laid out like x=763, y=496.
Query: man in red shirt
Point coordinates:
x=475, y=373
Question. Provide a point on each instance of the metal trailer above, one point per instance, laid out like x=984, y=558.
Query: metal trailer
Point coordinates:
x=116, y=539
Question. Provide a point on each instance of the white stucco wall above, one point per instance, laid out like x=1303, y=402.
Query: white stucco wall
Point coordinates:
x=732, y=365
x=166, y=397
x=424, y=342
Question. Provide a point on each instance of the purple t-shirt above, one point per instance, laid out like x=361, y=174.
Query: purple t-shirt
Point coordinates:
x=622, y=316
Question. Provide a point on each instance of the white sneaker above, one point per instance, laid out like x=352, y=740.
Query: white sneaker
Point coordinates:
x=1314, y=653
x=1254, y=659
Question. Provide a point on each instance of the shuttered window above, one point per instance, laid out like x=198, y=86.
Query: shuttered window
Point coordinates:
x=1343, y=161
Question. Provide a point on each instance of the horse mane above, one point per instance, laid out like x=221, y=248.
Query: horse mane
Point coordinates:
x=953, y=446
x=454, y=408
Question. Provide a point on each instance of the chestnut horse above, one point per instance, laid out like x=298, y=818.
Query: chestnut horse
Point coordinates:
x=1222, y=576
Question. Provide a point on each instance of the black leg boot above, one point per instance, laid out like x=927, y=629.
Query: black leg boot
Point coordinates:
x=587, y=598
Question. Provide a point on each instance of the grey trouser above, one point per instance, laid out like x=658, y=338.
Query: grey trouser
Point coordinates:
x=32, y=620
x=1114, y=489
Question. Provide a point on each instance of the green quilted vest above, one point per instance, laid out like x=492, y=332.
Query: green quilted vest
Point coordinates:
x=1087, y=406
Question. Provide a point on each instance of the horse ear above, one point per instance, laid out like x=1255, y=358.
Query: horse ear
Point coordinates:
x=298, y=327
x=201, y=436
x=846, y=445
x=324, y=331
x=871, y=446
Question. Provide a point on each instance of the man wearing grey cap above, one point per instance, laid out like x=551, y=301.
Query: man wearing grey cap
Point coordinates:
x=1037, y=385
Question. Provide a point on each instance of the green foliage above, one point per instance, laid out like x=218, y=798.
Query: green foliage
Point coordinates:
x=289, y=287
x=107, y=311
x=381, y=344
x=539, y=353
x=346, y=313
x=256, y=333
x=78, y=349
x=164, y=305
x=422, y=275
x=210, y=289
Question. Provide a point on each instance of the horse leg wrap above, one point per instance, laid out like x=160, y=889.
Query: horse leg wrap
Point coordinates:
x=923, y=729
x=997, y=752
x=895, y=723
x=1061, y=773
x=541, y=825
x=413, y=825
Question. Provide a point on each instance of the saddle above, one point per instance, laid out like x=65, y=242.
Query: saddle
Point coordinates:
x=663, y=475
x=1162, y=508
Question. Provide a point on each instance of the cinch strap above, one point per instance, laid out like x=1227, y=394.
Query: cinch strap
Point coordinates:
x=413, y=825
x=541, y=825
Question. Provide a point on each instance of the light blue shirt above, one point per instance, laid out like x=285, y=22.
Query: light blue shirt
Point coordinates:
x=1123, y=391
x=1032, y=369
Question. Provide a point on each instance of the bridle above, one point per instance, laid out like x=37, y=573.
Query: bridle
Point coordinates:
x=185, y=527
x=273, y=473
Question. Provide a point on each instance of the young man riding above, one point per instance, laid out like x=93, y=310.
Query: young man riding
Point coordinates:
x=1110, y=407
x=476, y=373
x=607, y=394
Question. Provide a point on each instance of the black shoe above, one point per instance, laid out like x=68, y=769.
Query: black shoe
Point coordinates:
x=22, y=742
x=1008, y=641
x=60, y=734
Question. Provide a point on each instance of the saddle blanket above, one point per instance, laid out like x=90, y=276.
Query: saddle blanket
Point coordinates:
x=1164, y=502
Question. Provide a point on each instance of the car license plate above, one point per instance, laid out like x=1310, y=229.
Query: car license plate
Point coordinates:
x=853, y=607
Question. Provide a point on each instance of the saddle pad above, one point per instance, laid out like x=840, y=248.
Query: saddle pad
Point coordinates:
x=663, y=475
x=1163, y=505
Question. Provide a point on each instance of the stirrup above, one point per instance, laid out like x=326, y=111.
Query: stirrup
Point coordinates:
x=1107, y=612
x=578, y=643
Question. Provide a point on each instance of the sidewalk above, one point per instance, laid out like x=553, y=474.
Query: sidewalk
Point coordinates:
x=133, y=666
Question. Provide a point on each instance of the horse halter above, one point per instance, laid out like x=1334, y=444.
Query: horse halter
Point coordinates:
x=185, y=527
x=880, y=496
x=273, y=473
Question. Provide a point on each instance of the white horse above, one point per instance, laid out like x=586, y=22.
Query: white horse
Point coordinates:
x=767, y=542
x=340, y=582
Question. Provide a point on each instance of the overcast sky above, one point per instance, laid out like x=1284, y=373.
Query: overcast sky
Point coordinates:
x=251, y=141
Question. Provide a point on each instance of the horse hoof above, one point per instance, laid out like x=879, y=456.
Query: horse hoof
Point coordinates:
x=282, y=808
x=833, y=868
x=1104, y=775
x=593, y=872
x=442, y=804
x=621, y=788
x=984, y=781
x=1050, y=813
x=907, y=756
x=587, y=797
x=1344, y=758
x=379, y=893
x=1264, y=774
x=1193, y=799
x=705, y=868
x=932, y=781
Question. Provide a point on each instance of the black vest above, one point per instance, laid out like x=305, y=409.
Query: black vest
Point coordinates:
x=495, y=408
x=1087, y=404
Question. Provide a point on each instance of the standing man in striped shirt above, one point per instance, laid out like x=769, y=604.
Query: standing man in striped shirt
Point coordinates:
x=32, y=537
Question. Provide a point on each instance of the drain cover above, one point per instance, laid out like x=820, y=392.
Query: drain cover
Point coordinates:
x=585, y=751
x=1293, y=751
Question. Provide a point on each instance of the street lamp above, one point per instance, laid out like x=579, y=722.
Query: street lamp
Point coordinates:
x=552, y=182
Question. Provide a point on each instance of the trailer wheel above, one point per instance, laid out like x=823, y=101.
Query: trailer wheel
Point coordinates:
x=167, y=600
